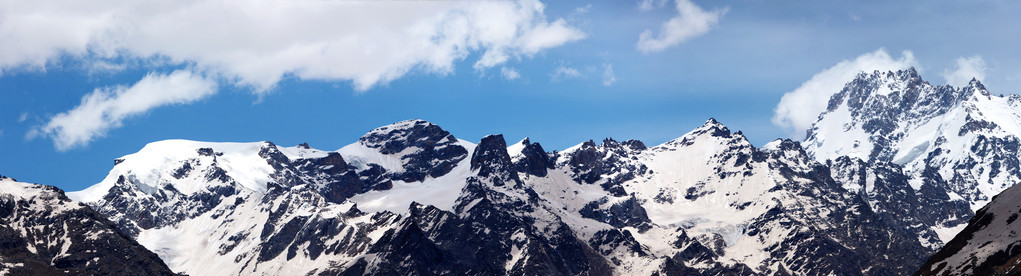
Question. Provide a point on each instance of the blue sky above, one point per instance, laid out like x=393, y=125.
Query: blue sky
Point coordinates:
x=566, y=72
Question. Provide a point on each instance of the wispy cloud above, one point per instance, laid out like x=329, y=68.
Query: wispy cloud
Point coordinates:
x=564, y=72
x=799, y=109
x=647, y=5
x=509, y=73
x=105, y=67
x=23, y=117
x=107, y=108
x=256, y=44
x=966, y=69
x=608, y=77
x=691, y=21
x=854, y=16
x=583, y=9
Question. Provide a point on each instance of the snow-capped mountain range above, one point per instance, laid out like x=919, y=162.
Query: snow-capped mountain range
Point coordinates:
x=887, y=175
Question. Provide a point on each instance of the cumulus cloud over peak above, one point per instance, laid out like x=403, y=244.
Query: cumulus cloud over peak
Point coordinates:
x=258, y=43
x=799, y=109
x=107, y=108
x=967, y=68
x=691, y=21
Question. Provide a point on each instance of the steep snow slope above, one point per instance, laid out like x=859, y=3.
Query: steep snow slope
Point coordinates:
x=771, y=210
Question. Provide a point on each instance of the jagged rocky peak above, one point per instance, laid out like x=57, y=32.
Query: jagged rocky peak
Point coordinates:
x=633, y=145
x=872, y=111
x=964, y=136
x=492, y=160
x=782, y=145
x=399, y=136
x=608, y=164
x=713, y=127
x=423, y=148
x=786, y=150
x=975, y=87
x=894, y=93
x=711, y=132
x=898, y=87
x=628, y=147
x=531, y=158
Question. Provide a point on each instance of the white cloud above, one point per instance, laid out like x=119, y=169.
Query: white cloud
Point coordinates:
x=565, y=72
x=105, y=67
x=691, y=21
x=647, y=5
x=509, y=73
x=258, y=43
x=583, y=10
x=967, y=68
x=107, y=108
x=608, y=77
x=23, y=117
x=799, y=109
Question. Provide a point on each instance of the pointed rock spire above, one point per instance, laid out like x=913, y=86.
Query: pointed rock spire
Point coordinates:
x=491, y=159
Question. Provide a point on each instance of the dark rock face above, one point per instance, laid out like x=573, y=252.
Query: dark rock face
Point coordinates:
x=434, y=150
x=592, y=164
x=621, y=214
x=48, y=234
x=331, y=176
x=315, y=236
x=694, y=252
x=885, y=188
x=534, y=160
x=492, y=160
x=861, y=237
x=490, y=219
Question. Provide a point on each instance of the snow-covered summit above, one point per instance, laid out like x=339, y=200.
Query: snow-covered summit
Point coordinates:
x=897, y=117
x=711, y=128
x=170, y=162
